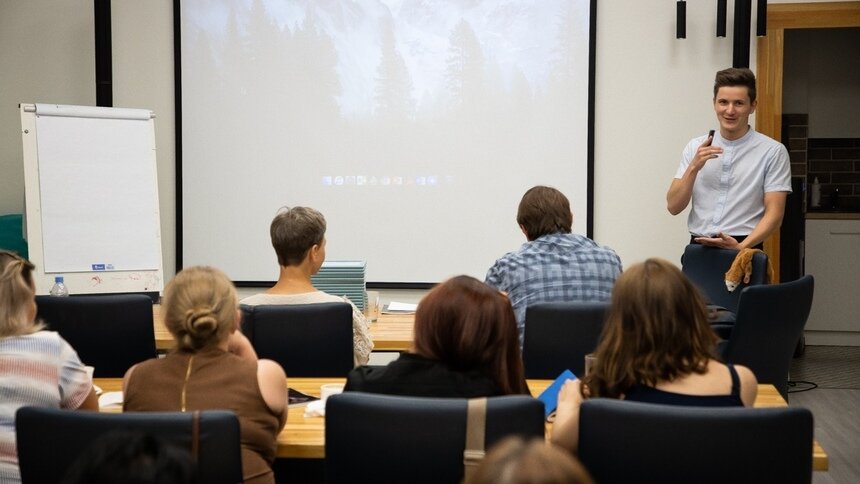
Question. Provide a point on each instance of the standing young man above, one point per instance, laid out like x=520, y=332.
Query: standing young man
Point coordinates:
x=737, y=179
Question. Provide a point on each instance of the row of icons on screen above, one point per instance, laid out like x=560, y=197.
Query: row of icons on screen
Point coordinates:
x=354, y=180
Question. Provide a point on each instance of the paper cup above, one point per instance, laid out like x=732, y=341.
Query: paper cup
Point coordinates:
x=330, y=389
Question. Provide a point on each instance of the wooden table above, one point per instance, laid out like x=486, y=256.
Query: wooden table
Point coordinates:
x=304, y=437
x=392, y=332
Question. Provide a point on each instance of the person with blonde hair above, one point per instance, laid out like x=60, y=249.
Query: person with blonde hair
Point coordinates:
x=656, y=347
x=517, y=461
x=214, y=366
x=298, y=237
x=37, y=368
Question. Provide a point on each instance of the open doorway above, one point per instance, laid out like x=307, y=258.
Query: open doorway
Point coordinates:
x=770, y=73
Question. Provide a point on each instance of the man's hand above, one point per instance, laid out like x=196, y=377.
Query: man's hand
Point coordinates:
x=704, y=153
x=721, y=240
x=681, y=190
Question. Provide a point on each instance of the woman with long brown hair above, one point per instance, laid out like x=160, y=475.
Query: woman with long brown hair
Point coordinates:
x=466, y=345
x=656, y=347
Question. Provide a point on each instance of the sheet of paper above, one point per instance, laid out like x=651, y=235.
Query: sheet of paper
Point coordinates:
x=108, y=399
x=399, y=307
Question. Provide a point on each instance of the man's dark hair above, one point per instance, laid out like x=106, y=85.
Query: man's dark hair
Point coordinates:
x=544, y=210
x=735, y=76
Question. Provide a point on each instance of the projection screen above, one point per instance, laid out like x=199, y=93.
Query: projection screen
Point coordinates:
x=414, y=126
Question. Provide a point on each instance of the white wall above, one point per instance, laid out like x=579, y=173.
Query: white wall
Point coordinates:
x=47, y=55
x=142, y=38
x=653, y=94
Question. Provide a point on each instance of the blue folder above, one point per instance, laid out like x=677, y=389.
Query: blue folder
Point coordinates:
x=549, y=397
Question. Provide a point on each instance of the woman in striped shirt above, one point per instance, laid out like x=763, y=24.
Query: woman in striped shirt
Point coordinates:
x=37, y=368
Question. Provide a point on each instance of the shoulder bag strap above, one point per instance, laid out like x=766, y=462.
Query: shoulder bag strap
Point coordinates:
x=476, y=422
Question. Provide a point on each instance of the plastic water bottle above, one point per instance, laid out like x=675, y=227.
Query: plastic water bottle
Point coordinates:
x=59, y=288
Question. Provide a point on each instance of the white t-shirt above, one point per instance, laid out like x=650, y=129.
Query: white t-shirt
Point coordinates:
x=362, y=343
x=728, y=195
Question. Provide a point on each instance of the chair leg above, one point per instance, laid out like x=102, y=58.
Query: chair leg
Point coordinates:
x=800, y=349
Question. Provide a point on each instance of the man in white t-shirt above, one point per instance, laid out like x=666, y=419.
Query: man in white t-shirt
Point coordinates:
x=739, y=197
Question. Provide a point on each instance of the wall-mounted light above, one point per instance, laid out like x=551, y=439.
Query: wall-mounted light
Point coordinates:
x=761, y=18
x=681, y=20
x=721, y=18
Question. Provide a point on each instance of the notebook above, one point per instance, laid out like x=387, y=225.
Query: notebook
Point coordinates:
x=549, y=397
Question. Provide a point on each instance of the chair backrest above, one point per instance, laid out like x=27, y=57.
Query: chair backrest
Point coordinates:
x=307, y=340
x=769, y=323
x=50, y=440
x=559, y=335
x=707, y=267
x=110, y=332
x=623, y=441
x=419, y=439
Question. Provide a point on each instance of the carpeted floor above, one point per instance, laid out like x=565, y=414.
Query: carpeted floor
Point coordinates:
x=828, y=367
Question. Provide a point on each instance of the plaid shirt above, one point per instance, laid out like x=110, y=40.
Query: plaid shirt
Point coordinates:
x=555, y=268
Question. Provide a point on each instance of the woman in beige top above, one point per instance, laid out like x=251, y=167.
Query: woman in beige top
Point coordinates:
x=298, y=236
x=214, y=367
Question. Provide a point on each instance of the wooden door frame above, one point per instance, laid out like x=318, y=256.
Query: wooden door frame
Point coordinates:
x=769, y=67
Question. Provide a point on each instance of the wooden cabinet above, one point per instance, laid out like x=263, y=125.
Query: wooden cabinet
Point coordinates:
x=833, y=258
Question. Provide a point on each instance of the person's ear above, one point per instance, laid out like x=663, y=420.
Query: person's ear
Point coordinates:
x=753, y=106
x=525, y=232
x=237, y=321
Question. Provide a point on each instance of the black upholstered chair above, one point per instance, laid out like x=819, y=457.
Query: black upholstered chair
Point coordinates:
x=307, y=340
x=770, y=322
x=707, y=267
x=422, y=439
x=50, y=440
x=639, y=442
x=109, y=332
x=559, y=335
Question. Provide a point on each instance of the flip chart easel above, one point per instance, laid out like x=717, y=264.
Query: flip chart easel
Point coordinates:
x=91, y=198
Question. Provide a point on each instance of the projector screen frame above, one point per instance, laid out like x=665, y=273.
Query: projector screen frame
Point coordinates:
x=589, y=209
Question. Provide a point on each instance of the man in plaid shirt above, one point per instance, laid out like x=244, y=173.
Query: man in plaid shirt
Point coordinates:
x=555, y=265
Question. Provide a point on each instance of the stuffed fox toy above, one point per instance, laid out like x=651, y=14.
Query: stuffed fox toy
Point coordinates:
x=741, y=269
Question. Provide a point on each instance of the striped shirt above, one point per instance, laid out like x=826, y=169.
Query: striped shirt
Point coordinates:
x=555, y=268
x=41, y=370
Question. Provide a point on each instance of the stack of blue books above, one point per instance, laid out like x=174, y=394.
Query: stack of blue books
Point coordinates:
x=343, y=278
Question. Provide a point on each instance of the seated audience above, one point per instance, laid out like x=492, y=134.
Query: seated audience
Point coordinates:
x=298, y=236
x=515, y=461
x=656, y=347
x=123, y=456
x=465, y=346
x=37, y=368
x=214, y=366
x=554, y=265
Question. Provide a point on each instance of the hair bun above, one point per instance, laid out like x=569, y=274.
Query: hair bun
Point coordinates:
x=200, y=322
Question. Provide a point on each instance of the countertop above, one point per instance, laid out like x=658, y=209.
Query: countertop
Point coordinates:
x=832, y=215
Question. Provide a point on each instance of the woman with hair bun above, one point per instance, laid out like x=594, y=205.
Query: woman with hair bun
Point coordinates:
x=214, y=366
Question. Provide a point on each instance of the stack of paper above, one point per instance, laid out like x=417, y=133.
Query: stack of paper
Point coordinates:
x=343, y=278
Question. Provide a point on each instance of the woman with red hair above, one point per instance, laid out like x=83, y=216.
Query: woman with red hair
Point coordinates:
x=466, y=345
